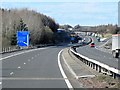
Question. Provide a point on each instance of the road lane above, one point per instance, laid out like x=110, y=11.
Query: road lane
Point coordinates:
x=36, y=69
x=98, y=55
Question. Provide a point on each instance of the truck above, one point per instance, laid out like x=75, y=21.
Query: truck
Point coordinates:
x=116, y=45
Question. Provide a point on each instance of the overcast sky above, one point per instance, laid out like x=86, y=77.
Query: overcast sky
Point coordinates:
x=81, y=12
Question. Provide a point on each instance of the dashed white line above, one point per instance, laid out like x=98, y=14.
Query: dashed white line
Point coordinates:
x=21, y=53
x=19, y=67
x=11, y=73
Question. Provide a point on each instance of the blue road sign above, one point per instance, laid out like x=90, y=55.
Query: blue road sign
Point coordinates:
x=22, y=38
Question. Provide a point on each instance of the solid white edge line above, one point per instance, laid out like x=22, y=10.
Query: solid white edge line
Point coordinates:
x=62, y=71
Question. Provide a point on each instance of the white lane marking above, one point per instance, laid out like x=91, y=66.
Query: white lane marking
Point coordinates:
x=62, y=72
x=24, y=63
x=0, y=83
x=21, y=53
x=86, y=76
x=30, y=78
x=19, y=67
x=11, y=73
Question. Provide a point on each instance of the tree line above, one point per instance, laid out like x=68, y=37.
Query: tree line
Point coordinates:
x=42, y=28
x=102, y=29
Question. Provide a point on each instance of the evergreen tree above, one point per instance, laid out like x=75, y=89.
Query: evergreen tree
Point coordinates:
x=13, y=39
x=22, y=26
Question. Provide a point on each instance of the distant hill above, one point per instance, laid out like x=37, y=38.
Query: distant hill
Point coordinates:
x=113, y=29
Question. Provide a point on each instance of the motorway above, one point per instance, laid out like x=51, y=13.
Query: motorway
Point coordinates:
x=38, y=68
x=98, y=55
x=34, y=69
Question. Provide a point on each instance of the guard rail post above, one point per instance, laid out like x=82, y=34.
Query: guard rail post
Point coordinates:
x=100, y=67
x=93, y=66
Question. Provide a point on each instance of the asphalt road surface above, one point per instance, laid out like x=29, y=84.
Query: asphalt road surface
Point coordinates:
x=98, y=55
x=35, y=69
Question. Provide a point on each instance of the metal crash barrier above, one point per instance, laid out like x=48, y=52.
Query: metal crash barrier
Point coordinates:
x=96, y=65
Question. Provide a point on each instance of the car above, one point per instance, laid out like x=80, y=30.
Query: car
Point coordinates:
x=92, y=44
